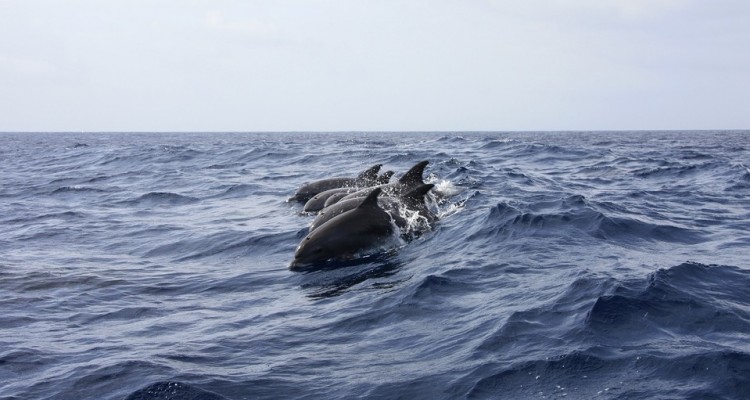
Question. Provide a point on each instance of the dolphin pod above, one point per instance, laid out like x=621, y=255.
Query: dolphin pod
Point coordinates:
x=320, y=200
x=368, y=177
x=361, y=214
x=413, y=200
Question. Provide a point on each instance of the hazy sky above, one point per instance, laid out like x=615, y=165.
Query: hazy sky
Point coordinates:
x=321, y=65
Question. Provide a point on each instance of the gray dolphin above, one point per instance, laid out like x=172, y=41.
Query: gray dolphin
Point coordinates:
x=412, y=200
x=353, y=231
x=385, y=178
x=334, y=198
x=411, y=179
x=413, y=176
x=368, y=177
x=320, y=200
x=317, y=202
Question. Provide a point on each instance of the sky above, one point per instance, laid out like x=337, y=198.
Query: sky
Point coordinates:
x=374, y=65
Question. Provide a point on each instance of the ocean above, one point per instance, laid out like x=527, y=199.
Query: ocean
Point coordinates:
x=576, y=265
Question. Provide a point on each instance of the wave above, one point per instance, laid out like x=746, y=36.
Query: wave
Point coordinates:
x=98, y=382
x=576, y=214
x=626, y=339
x=741, y=180
x=452, y=139
x=587, y=374
x=168, y=390
x=433, y=286
x=337, y=278
x=549, y=153
x=219, y=243
x=76, y=190
x=674, y=170
x=731, y=176
x=691, y=299
x=240, y=191
x=24, y=360
x=226, y=166
x=222, y=243
x=161, y=198
x=64, y=216
x=124, y=314
x=48, y=281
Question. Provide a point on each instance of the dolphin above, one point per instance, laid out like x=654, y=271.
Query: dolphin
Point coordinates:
x=411, y=179
x=334, y=198
x=317, y=202
x=412, y=200
x=345, y=235
x=368, y=177
x=413, y=176
x=385, y=178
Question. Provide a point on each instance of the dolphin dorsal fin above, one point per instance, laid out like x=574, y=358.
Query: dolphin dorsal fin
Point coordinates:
x=414, y=175
x=415, y=197
x=372, y=199
x=385, y=178
x=370, y=174
x=418, y=192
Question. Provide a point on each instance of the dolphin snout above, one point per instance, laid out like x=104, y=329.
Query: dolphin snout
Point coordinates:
x=298, y=265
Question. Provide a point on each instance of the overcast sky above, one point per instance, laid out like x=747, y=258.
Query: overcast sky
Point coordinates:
x=403, y=65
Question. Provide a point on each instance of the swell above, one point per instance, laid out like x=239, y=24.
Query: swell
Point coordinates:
x=576, y=214
x=62, y=216
x=588, y=374
x=689, y=299
x=626, y=339
x=160, y=198
x=222, y=243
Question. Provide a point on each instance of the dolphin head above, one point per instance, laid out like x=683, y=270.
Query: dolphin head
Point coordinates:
x=312, y=250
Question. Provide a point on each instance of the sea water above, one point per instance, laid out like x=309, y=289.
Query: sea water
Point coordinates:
x=610, y=265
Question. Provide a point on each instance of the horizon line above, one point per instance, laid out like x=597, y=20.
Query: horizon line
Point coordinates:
x=387, y=131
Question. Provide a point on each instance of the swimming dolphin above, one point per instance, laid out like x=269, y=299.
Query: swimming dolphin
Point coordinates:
x=413, y=176
x=317, y=202
x=334, y=198
x=367, y=178
x=385, y=178
x=412, y=200
x=411, y=179
x=353, y=231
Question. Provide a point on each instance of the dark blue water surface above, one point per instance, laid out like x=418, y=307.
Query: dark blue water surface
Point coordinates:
x=610, y=265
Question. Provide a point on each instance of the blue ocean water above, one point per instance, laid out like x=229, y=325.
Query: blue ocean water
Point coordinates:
x=609, y=265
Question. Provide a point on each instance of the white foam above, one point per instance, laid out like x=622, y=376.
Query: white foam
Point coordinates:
x=444, y=188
